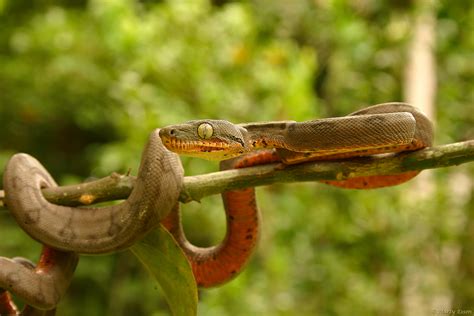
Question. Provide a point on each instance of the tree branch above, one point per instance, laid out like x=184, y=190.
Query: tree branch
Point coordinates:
x=118, y=186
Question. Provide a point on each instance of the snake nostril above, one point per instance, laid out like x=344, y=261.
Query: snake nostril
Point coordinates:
x=172, y=132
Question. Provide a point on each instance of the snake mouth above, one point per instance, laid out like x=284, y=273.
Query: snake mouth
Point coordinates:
x=195, y=145
x=212, y=149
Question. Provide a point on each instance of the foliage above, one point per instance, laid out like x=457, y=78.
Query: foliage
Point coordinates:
x=83, y=82
x=165, y=260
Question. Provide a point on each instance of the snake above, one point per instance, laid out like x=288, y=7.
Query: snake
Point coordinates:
x=68, y=231
x=384, y=128
x=41, y=285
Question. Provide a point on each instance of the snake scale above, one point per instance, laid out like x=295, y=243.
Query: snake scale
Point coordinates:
x=383, y=128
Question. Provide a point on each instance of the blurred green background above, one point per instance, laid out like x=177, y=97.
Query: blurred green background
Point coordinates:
x=82, y=83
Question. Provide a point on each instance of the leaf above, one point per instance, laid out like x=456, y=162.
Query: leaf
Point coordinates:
x=165, y=260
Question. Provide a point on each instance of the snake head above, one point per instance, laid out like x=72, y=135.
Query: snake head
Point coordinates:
x=207, y=139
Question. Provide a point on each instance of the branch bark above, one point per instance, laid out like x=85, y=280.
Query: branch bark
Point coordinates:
x=117, y=186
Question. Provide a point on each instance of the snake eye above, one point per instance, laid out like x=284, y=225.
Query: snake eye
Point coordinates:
x=205, y=130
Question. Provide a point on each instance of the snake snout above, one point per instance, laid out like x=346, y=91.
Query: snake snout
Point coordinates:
x=167, y=134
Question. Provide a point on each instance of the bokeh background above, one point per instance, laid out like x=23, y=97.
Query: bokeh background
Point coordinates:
x=82, y=83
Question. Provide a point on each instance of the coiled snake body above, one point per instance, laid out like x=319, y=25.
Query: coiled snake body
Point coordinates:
x=389, y=127
x=68, y=230
x=383, y=128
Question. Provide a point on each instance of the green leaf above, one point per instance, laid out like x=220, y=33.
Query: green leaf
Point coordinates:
x=165, y=260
